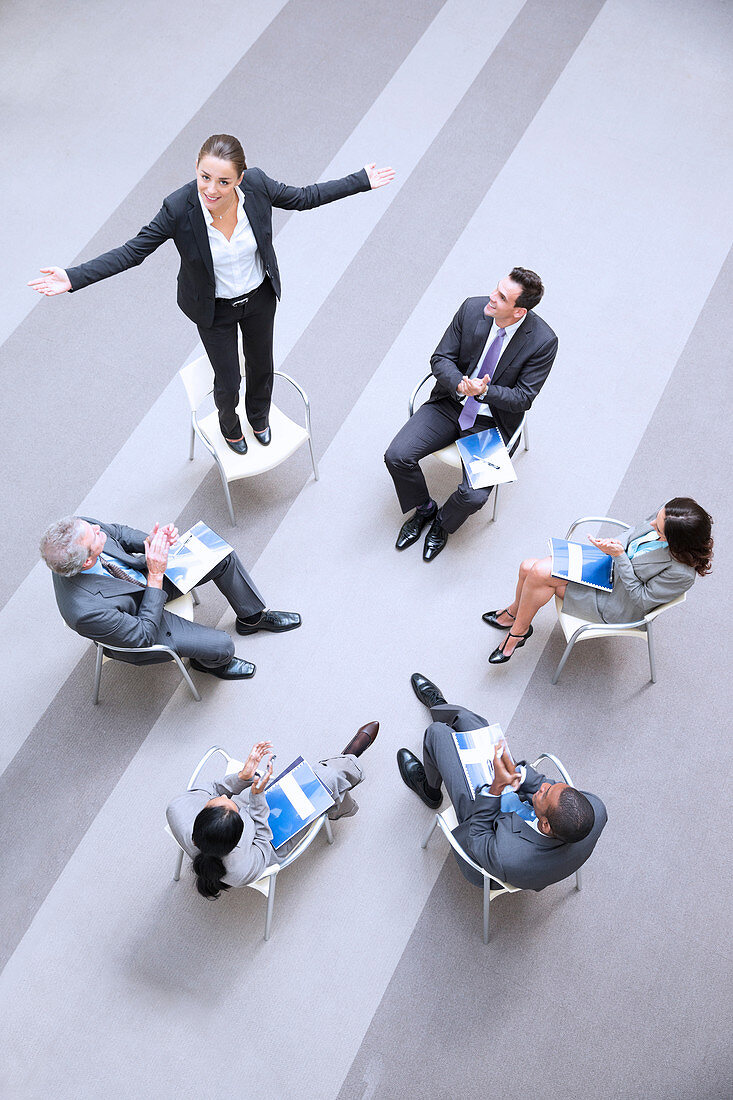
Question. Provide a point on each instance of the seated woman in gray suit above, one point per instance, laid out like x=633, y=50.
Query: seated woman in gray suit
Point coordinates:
x=223, y=826
x=654, y=562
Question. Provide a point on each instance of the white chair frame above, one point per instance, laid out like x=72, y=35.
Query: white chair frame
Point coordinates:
x=105, y=651
x=640, y=628
x=197, y=394
x=267, y=881
x=447, y=821
x=451, y=456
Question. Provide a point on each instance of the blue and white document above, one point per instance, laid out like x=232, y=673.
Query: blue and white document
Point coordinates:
x=583, y=563
x=485, y=459
x=476, y=753
x=295, y=798
x=194, y=555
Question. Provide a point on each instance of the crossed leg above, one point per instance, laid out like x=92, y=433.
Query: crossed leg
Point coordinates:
x=535, y=587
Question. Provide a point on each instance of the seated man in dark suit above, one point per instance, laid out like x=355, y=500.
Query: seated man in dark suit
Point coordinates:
x=529, y=841
x=110, y=586
x=490, y=365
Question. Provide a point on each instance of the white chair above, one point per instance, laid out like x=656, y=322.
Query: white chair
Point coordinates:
x=183, y=606
x=287, y=435
x=451, y=456
x=447, y=821
x=581, y=630
x=267, y=881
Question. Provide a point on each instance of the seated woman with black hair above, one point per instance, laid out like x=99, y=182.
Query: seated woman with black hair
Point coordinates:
x=223, y=826
x=654, y=562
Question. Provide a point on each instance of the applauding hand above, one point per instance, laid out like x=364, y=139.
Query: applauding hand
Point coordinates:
x=608, y=546
x=258, y=751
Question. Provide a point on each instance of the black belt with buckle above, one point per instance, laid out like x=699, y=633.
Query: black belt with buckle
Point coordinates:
x=242, y=299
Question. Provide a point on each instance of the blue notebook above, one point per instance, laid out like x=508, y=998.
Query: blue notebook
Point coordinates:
x=295, y=798
x=194, y=555
x=485, y=459
x=582, y=563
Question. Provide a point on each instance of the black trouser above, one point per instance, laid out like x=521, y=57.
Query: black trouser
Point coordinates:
x=433, y=426
x=256, y=318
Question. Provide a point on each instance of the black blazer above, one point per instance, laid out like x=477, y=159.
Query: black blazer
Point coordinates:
x=182, y=219
x=519, y=375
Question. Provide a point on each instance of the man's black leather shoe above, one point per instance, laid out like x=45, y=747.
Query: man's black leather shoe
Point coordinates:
x=413, y=775
x=239, y=446
x=264, y=437
x=236, y=669
x=275, y=621
x=427, y=692
x=411, y=529
x=435, y=540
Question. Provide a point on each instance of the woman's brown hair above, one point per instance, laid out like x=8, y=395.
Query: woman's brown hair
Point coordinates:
x=687, y=532
x=224, y=147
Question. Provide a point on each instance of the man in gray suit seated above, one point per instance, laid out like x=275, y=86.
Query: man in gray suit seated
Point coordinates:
x=490, y=365
x=110, y=586
x=530, y=841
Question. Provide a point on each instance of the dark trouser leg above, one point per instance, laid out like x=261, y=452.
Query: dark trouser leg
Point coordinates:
x=211, y=647
x=220, y=342
x=257, y=324
x=236, y=585
x=440, y=756
x=433, y=426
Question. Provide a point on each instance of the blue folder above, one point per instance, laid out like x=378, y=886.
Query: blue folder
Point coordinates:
x=486, y=459
x=583, y=563
x=311, y=799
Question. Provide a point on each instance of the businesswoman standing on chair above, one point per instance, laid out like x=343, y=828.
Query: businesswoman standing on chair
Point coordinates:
x=221, y=224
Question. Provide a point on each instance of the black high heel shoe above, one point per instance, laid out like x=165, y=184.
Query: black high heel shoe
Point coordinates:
x=499, y=657
x=492, y=618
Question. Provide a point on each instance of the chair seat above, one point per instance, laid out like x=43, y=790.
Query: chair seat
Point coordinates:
x=450, y=455
x=570, y=623
x=287, y=437
x=179, y=605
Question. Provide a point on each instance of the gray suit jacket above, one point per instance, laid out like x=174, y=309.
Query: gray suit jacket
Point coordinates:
x=509, y=848
x=639, y=584
x=181, y=219
x=106, y=609
x=520, y=373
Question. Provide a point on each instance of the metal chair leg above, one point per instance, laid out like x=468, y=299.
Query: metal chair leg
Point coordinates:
x=225, y=485
x=487, y=903
x=270, y=905
x=563, y=660
x=496, y=503
x=313, y=458
x=329, y=830
x=191, y=445
x=179, y=864
x=98, y=674
x=430, y=832
x=578, y=880
x=196, y=600
x=525, y=437
x=650, y=644
x=187, y=677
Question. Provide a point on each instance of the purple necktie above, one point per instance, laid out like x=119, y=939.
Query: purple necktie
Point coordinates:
x=472, y=406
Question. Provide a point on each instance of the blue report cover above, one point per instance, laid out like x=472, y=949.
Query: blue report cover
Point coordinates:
x=583, y=563
x=194, y=555
x=476, y=750
x=485, y=459
x=295, y=798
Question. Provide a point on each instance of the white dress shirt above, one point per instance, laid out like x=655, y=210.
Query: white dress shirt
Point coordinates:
x=493, y=332
x=238, y=266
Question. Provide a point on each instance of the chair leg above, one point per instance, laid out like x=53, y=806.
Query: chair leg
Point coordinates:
x=496, y=503
x=525, y=437
x=487, y=903
x=191, y=445
x=313, y=458
x=578, y=880
x=329, y=830
x=98, y=674
x=430, y=832
x=650, y=644
x=187, y=677
x=225, y=485
x=179, y=864
x=563, y=660
x=270, y=905
x=194, y=596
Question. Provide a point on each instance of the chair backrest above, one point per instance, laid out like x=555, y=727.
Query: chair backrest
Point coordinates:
x=447, y=820
x=198, y=381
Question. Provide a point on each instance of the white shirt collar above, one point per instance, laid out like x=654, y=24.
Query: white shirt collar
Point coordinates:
x=510, y=329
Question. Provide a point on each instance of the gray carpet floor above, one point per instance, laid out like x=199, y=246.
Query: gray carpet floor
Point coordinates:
x=584, y=140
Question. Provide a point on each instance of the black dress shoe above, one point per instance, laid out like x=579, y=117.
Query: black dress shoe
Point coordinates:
x=413, y=775
x=427, y=692
x=499, y=657
x=435, y=540
x=239, y=446
x=362, y=739
x=275, y=621
x=236, y=669
x=411, y=529
x=492, y=618
x=264, y=436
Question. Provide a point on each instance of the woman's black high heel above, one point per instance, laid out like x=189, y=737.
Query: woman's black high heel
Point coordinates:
x=499, y=657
